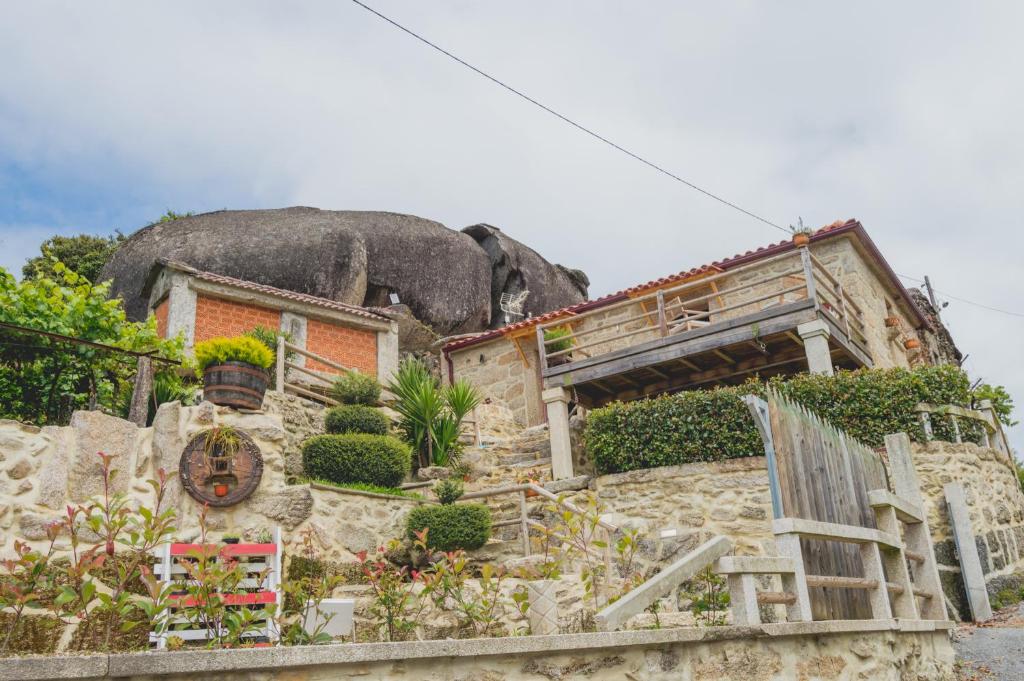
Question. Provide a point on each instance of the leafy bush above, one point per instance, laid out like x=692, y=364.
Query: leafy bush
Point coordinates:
x=452, y=526
x=560, y=339
x=710, y=425
x=268, y=337
x=356, y=418
x=354, y=387
x=449, y=491
x=238, y=349
x=43, y=380
x=357, y=457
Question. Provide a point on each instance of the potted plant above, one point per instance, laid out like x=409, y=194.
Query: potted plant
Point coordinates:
x=231, y=538
x=801, y=237
x=892, y=322
x=220, y=445
x=911, y=344
x=234, y=371
x=558, y=342
x=264, y=536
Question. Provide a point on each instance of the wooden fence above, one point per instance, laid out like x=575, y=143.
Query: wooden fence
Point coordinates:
x=849, y=535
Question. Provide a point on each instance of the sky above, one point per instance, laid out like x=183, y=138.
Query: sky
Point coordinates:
x=906, y=116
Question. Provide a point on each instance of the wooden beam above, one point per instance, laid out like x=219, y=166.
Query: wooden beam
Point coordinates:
x=723, y=356
x=689, y=364
x=657, y=373
x=519, y=349
x=760, y=347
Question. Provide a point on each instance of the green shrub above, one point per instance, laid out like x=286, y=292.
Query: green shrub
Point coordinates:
x=354, y=387
x=449, y=491
x=237, y=349
x=452, y=526
x=710, y=425
x=560, y=339
x=357, y=457
x=356, y=418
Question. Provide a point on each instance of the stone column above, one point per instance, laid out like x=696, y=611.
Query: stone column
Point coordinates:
x=815, y=336
x=556, y=400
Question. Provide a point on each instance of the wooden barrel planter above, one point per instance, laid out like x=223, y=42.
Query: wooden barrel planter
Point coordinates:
x=235, y=384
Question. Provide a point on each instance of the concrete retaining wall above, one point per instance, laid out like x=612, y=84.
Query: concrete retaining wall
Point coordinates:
x=878, y=650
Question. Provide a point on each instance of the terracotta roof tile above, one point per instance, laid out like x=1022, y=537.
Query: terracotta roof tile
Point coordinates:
x=317, y=301
x=718, y=265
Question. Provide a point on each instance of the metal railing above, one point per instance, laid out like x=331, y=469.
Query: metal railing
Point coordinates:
x=702, y=303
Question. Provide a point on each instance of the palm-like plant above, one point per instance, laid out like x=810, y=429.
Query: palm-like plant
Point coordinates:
x=431, y=415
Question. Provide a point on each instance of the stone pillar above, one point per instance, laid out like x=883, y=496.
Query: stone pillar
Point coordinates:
x=181, y=309
x=556, y=400
x=815, y=336
x=387, y=354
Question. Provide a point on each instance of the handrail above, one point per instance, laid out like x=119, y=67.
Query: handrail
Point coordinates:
x=665, y=582
x=809, y=278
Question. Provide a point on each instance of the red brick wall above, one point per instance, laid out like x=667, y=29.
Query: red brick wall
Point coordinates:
x=161, y=318
x=354, y=348
x=216, y=317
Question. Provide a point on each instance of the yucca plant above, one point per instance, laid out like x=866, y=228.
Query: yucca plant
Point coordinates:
x=431, y=416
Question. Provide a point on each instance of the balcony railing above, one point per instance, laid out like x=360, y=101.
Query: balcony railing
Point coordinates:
x=705, y=302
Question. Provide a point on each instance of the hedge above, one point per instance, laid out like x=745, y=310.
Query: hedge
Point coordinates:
x=356, y=418
x=452, y=526
x=711, y=425
x=357, y=457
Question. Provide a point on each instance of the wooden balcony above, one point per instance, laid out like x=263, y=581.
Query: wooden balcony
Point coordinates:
x=717, y=329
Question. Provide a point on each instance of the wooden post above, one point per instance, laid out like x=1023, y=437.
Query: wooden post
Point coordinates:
x=138, y=413
x=281, y=347
x=662, y=320
x=524, y=526
x=542, y=350
x=812, y=291
x=843, y=310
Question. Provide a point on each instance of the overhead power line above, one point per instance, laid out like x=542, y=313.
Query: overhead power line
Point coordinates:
x=626, y=151
x=964, y=300
x=571, y=122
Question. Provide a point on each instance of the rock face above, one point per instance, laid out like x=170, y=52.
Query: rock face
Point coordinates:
x=448, y=279
x=516, y=267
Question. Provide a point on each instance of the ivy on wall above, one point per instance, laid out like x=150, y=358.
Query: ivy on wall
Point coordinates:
x=711, y=425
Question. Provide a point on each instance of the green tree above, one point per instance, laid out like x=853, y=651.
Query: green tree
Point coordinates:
x=42, y=380
x=1002, y=403
x=83, y=254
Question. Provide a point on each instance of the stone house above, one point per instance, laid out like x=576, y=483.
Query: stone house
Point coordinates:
x=203, y=305
x=780, y=309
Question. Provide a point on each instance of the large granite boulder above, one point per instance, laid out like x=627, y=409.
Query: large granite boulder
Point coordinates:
x=444, y=276
x=516, y=267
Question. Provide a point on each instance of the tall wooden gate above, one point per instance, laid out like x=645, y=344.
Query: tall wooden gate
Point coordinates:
x=818, y=472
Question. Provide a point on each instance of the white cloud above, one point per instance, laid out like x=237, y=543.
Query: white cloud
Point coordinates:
x=904, y=115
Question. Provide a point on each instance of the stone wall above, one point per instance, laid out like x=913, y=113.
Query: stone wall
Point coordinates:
x=676, y=508
x=820, y=651
x=500, y=374
x=995, y=503
x=44, y=470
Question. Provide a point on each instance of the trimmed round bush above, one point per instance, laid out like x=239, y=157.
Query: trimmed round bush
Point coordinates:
x=356, y=418
x=353, y=387
x=357, y=457
x=452, y=526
